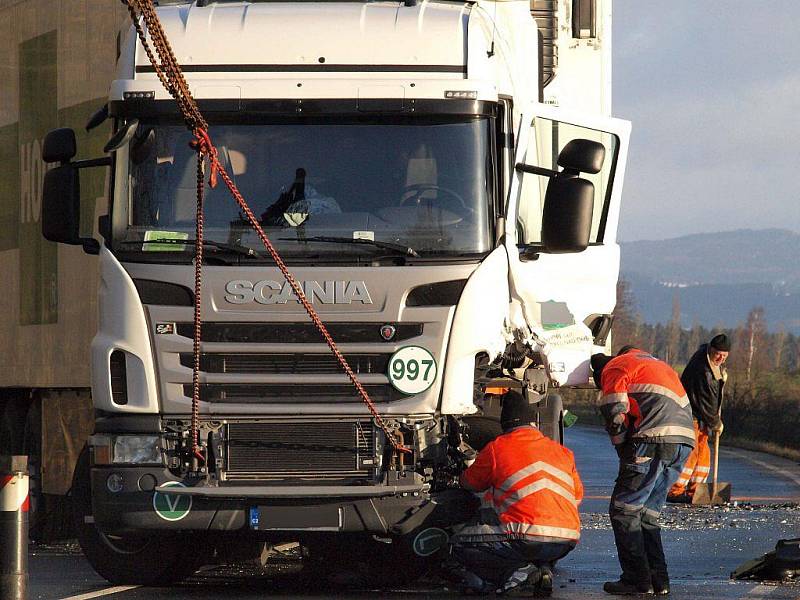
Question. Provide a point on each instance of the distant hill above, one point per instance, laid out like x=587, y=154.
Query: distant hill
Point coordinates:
x=718, y=277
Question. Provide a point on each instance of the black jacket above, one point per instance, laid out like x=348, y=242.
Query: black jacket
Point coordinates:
x=703, y=389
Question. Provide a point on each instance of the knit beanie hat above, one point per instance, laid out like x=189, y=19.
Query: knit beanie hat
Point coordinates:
x=515, y=412
x=598, y=362
x=720, y=342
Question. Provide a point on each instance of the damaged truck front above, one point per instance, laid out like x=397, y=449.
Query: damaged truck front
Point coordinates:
x=448, y=228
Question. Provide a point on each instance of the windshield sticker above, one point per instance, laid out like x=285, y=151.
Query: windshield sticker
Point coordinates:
x=156, y=236
x=364, y=235
x=171, y=507
x=412, y=370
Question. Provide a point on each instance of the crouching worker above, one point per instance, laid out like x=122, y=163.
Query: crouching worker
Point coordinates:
x=528, y=519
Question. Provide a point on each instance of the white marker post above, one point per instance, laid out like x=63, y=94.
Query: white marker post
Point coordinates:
x=14, y=506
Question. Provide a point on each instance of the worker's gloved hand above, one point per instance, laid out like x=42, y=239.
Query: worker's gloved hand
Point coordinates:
x=718, y=428
x=466, y=454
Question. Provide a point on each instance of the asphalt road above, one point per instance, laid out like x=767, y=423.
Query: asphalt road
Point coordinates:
x=703, y=544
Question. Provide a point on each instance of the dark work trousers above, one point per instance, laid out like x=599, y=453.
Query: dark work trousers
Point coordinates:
x=646, y=473
x=494, y=562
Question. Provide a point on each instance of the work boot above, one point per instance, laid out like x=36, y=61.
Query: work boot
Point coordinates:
x=467, y=582
x=544, y=589
x=661, y=587
x=522, y=582
x=624, y=588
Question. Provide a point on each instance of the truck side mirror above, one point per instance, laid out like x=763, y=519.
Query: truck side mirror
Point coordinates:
x=567, y=215
x=569, y=200
x=61, y=192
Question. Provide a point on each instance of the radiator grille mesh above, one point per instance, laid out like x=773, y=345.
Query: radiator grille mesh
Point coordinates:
x=319, y=450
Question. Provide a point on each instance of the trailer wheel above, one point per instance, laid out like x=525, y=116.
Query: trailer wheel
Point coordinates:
x=147, y=560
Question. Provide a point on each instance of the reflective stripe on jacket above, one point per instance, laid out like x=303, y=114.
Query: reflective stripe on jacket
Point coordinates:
x=533, y=486
x=643, y=399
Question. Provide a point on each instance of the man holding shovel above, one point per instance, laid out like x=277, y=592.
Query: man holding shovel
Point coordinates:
x=703, y=379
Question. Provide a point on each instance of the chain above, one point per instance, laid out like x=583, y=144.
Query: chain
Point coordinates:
x=171, y=76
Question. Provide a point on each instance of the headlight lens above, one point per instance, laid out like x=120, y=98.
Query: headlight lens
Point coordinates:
x=136, y=449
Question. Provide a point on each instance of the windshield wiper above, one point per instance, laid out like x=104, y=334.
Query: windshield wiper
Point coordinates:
x=234, y=248
x=405, y=250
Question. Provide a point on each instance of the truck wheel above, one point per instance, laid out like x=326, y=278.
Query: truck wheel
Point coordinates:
x=154, y=559
x=551, y=413
x=482, y=430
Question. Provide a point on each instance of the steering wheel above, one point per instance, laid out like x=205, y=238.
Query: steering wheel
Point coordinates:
x=412, y=194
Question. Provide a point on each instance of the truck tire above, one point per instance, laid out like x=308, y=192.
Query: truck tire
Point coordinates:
x=551, y=417
x=154, y=559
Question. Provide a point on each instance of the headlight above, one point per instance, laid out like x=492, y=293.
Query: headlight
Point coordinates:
x=136, y=449
x=125, y=449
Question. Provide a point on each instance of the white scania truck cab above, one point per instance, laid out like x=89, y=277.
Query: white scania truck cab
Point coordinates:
x=450, y=230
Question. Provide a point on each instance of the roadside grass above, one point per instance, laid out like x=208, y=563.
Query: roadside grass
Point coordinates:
x=772, y=448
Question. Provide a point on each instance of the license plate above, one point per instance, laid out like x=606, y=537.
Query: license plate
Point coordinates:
x=296, y=518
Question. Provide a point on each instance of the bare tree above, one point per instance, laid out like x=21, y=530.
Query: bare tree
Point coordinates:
x=673, y=333
x=693, y=340
x=778, y=346
x=626, y=322
x=754, y=330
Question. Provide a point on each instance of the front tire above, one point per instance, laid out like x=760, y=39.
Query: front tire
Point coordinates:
x=154, y=560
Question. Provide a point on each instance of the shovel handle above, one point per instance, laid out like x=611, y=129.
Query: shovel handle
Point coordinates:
x=716, y=463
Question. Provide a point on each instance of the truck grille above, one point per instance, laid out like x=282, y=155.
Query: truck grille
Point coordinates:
x=286, y=364
x=297, y=333
x=299, y=450
x=282, y=393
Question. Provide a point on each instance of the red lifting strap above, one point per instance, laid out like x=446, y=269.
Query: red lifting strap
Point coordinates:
x=171, y=76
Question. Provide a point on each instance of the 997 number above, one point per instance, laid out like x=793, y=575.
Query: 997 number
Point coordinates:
x=411, y=369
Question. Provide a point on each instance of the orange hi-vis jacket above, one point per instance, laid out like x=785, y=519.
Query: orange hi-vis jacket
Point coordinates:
x=643, y=399
x=533, y=486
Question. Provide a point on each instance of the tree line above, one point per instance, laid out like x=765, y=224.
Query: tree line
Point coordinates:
x=754, y=349
x=761, y=407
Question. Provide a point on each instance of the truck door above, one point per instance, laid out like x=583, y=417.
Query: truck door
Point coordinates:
x=565, y=298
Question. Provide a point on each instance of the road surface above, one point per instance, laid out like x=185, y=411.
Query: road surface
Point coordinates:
x=703, y=544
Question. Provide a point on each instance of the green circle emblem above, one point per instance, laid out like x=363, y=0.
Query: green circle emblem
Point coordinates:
x=429, y=541
x=172, y=507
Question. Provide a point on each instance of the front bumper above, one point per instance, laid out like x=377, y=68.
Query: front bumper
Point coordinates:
x=378, y=509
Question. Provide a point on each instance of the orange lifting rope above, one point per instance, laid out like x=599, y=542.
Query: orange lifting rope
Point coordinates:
x=171, y=76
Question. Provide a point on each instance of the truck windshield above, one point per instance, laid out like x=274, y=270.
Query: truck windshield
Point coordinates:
x=419, y=183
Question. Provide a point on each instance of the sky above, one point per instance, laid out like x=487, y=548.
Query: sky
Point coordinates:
x=713, y=90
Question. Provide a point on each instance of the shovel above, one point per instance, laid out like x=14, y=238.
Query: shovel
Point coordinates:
x=716, y=493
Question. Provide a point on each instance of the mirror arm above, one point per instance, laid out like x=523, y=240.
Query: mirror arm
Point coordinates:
x=104, y=161
x=535, y=170
x=529, y=253
x=90, y=246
